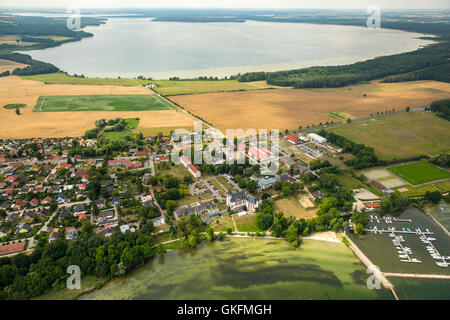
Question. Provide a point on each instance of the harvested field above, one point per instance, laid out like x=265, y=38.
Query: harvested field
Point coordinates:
x=61, y=124
x=6, y=65
x=299, y=208
x=289, y=108
x=168, y=87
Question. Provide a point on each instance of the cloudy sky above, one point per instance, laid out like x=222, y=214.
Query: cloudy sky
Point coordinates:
x=319, y=4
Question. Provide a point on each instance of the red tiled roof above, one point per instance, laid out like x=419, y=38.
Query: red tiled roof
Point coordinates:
x=193, y=168
x=291, y=138
x=11, y=248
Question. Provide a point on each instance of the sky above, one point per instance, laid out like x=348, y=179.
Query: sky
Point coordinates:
x=283, y=4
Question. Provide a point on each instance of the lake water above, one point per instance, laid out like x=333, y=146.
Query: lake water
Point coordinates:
x=129, y=47
x=248, y=269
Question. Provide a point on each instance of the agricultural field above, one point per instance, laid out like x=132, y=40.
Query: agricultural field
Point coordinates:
x=420, y=172
x=289, y=108
x=61, y=78
x=14, y=40
x=402, y=135
x=140, y=102
x=62, y=124
x=165, y=87
x=181, y=87
x=298, y=206
x=6, y=65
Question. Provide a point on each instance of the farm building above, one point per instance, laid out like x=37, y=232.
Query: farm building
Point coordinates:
x=291, y=139
x=317, y=138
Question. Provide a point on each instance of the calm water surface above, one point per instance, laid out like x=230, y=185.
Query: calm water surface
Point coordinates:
x=248, y=269
x=129, y=47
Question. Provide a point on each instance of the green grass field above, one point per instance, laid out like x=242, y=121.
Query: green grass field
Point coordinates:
x=61, y=78
x=246, y=223
x=166, y=87
x=151, y=132
x=401, y=135
x=419, y=172
x=101, y=103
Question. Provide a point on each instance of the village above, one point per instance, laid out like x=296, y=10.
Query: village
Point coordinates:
x=45, y=188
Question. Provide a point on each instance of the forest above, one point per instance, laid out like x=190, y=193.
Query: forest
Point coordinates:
x=442, y=108
x=34, y=66
x=39, y=30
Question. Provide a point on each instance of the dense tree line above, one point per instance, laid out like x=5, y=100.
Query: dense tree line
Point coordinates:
x=442, y=160
x=24, y=276
x=34, y=66
x=364, y=156
x=442, y=108
x=438, y=73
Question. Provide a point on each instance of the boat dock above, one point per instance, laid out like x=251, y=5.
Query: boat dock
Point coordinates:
x=392, y=230
x=376, y=272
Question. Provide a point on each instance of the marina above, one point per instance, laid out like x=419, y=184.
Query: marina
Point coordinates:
x=408, y=242
x=404, y=253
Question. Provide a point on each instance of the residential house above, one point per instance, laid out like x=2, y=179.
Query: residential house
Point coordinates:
x=71, y=233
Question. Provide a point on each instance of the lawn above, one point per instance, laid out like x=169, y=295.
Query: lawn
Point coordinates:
x=444, y=185
x=117, y=136
x=151, y=132
x=87, y=284
x=420, y=172
x=417, y=191
x=246, y=223
x=177, y=171
x=124, y=102
x=401, y=135
x=222, y=223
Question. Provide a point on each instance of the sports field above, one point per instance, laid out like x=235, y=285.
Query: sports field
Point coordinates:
x=401, y=135
x=139, y=102
x=420, y=172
